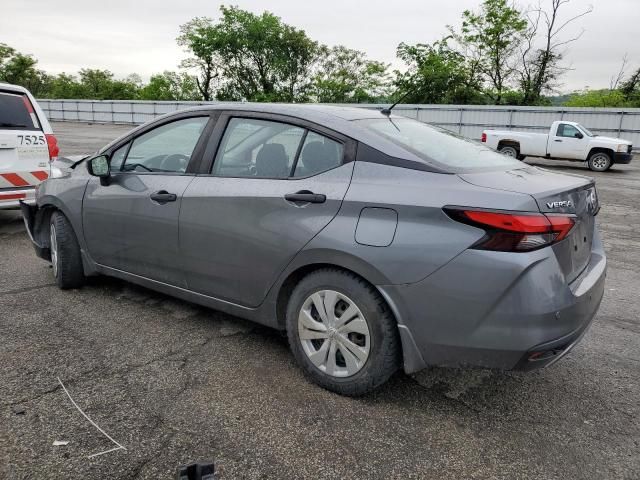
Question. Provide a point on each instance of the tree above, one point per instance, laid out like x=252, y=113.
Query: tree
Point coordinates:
x=345, y=76
x=198, y=37
x=20, y=69
x=540, y=67
x=437, y=74
x=251, y=57
x=597, y=98
x=100, y=85
x=630, y=88
x=489, y=40
x=170, y=86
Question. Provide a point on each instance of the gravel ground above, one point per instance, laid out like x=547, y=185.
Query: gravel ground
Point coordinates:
x=173, y=382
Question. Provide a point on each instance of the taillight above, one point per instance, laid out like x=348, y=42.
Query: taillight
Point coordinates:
x=484, y=137
x=514, y=231
x=52, y=143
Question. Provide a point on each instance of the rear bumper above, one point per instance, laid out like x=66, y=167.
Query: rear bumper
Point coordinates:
x=486, y=309
x=11, y=198
x=622, y=157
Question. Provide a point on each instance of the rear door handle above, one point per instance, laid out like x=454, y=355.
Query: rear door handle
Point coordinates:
x=163, y=197
x=305, y=196
x=557, y=140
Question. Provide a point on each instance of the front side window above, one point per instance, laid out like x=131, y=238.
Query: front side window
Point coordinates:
x=566, y=130
x=167, y=148
x=117, y=158
x=257, y=148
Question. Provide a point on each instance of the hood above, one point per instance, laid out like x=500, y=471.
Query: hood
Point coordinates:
x=616, y=141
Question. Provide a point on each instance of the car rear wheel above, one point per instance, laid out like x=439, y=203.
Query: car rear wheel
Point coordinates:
x=342, y=333
x=599, y=161
x=65, y=253
x=509, y=151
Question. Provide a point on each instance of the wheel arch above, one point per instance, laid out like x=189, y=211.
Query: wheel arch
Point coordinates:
x=608, y=151
x=509, y=143
x=411, y=357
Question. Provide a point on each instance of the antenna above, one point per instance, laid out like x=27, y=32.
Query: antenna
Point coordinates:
x=387, y=111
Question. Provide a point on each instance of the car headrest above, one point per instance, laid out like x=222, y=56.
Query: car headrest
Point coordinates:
x=272, y=161
x=316, y=157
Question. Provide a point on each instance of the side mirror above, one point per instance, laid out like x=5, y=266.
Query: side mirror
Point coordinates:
x=99, y=167
x=578, y=135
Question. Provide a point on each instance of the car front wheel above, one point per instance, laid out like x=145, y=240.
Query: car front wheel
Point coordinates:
x=599, y=161
x=66, y=260
x=342, y=333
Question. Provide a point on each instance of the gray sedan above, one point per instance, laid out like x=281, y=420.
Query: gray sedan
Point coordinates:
x=375, y=241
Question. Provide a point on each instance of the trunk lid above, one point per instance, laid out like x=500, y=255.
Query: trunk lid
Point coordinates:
x=554, y=193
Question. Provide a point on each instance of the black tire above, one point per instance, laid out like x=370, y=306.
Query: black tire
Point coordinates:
x=509, y=150
x=599, y=161
x=385, y=352
x=66, y=259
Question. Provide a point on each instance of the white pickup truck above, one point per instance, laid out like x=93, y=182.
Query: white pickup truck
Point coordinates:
x=565, y=141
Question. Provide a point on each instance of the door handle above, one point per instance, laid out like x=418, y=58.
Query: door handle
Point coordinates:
x=163, y=197
x=557, y=140
x=305, y=196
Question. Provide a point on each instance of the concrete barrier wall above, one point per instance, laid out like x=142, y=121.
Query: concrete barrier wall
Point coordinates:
x=467, y=120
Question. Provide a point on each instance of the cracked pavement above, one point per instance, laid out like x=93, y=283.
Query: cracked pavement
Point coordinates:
x=174, y=382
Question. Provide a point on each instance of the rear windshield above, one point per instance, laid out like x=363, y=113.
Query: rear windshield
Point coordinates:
x=446, y=150
x=16, y=112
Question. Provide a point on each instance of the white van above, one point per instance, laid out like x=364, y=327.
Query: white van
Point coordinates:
x=27, y=146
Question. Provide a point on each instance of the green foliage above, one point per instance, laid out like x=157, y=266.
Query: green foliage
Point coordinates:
x=490, y=39
x=597, y=98
x=251, y=57
x=437, y=74
x=345, y=76
x=170, y=86
x=20, y=69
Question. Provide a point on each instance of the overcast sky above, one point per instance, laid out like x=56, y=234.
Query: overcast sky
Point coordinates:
x=127, y=36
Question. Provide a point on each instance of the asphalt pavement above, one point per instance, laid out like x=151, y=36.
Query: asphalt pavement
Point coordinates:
x=172, y=382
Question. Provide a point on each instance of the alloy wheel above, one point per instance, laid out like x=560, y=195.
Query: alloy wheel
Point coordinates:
x=600, y=161
x=334, y=333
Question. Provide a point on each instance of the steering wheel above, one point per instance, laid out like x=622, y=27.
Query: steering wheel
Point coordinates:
x=176, y=162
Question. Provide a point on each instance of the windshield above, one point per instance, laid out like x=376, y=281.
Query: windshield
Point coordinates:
x=436, y=145
x=585, y=130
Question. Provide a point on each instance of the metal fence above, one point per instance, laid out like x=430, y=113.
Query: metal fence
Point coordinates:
x=467, y=120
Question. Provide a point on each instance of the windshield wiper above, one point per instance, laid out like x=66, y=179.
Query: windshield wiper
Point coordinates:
x=17, y=125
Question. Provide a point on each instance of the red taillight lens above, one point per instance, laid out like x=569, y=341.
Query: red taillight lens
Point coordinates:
x=484, y=137
x=52, y=143
x=515, y=231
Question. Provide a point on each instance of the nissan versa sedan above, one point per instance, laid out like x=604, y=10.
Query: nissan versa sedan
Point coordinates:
x=375, y=241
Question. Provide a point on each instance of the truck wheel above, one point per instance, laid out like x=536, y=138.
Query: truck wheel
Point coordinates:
x=509, y=151
x=65, y=253
x=599, y=161
x=341, y=332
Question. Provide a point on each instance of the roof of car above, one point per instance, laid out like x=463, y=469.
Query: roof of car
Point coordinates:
x=312, y=112
x=12, y=88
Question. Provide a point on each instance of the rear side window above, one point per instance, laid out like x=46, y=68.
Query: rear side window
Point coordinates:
x=16, y=112
x=268, y=149
x=318, y=154
x=167, y=148
x=445, y=149
x=257, y=148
